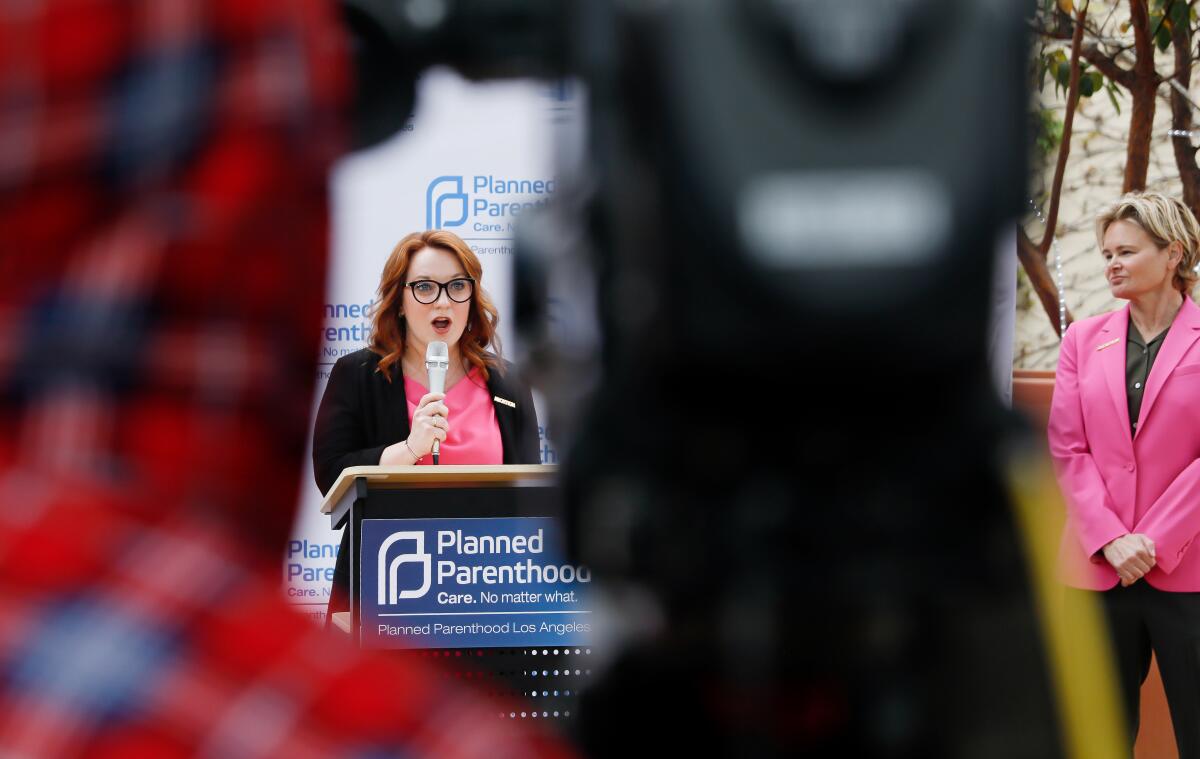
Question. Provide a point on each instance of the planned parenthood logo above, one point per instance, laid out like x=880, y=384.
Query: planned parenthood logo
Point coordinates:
x=462, y=583
x=389, y=572
x=483, y=203
x=445, y=190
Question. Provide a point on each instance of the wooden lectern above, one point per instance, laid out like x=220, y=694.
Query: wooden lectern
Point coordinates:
x=546, y=678
x=407, y=492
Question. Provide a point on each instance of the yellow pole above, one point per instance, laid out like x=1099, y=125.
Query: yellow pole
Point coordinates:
x=1078, y=649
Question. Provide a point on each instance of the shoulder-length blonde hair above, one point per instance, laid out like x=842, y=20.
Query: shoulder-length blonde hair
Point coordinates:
x=1165, y=220
x=388, y=327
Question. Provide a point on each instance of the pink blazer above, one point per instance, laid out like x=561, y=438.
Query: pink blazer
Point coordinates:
x=1115, y=483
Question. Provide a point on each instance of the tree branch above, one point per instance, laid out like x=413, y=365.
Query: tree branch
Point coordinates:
x=1181, y=116
x=1162, y=19
x=1065, y=31
x=1145, y=85
x=1034, y=263
x=1064, y=145
x=1107, y=65
x=1092, y=52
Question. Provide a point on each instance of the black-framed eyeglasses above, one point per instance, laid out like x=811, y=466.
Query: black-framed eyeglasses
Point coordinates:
x=427, y=291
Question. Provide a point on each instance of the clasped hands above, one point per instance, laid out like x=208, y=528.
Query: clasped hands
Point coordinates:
x=1132, y=556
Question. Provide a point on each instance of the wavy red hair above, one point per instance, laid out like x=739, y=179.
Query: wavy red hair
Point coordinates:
x=388, y=328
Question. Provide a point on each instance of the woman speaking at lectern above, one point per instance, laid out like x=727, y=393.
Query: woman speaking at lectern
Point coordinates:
x=377, y=409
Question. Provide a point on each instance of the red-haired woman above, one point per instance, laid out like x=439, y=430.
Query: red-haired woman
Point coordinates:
x=377, y=408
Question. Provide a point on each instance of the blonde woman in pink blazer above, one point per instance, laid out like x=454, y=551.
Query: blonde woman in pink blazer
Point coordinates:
x=1125, y=437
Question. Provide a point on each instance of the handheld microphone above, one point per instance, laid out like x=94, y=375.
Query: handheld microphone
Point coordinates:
x=437, y=361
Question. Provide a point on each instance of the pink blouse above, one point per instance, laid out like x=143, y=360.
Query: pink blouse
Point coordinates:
x=474, y=436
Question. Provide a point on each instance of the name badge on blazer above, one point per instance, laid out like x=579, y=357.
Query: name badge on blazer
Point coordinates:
x=1102, y=346
x=505, y=401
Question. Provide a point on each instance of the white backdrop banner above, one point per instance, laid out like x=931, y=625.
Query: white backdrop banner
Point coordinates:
x=471, y=160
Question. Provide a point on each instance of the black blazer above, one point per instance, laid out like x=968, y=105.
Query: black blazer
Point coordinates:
x=361, y=413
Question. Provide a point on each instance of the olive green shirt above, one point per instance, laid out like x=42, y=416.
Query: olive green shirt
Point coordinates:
x=1139, y=357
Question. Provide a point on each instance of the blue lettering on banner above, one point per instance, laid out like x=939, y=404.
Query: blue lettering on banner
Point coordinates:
x=560, y=92
x=309, y=563
x=470, y=583
x=491, y=205
x=548, y=454
x=345, y=323
x=309, y=550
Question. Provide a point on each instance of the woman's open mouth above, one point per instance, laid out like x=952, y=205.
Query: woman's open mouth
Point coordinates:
x=441, y=325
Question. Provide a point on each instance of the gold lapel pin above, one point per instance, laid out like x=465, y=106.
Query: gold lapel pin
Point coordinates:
x=505, y=401
x=1102, y=346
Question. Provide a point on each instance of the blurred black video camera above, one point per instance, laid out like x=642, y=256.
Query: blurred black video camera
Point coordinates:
x=773, y=394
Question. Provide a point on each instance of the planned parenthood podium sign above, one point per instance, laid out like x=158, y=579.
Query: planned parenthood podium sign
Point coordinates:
x=469, y=583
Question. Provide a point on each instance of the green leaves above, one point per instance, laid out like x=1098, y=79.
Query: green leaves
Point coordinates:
x=1048, y=131
x=1063, y=75
x=1179, y=12
x=1058, y=66
x=1162, y=30
x=1167, y=15
x=1111, y=88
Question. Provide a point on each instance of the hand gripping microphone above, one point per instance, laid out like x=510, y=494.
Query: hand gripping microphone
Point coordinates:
x=437, y=361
